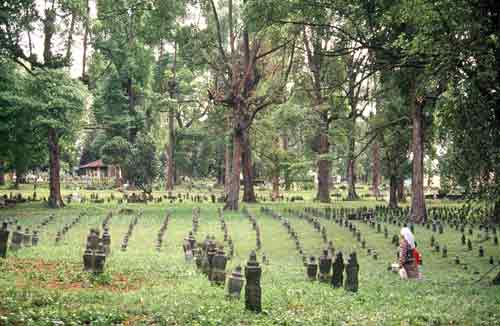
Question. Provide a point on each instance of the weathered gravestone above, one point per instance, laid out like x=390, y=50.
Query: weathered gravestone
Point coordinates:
x=352, y=271
x=219, y=267
x=325, y=266
x=106, y=241
x=253, y=292
x=235, y=283
x=27, y=238
x=338, y=270
x=17, y=239
x=4, y=239
x=35, y=239
x=312, y=269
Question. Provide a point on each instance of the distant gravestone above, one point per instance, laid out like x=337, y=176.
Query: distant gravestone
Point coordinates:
x=312, y=269
x=17, y=239
x=253, y=291
x=27, y=238
x=35, y=239
x=325, y=266
x=4, y=239
x=338, y=270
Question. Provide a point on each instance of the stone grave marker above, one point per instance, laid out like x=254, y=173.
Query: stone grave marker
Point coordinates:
x=253, y=291
x=352, y=273
x=338, y=270
x=4, y=239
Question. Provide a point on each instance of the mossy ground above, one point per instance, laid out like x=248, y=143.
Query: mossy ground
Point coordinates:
x=45, y=284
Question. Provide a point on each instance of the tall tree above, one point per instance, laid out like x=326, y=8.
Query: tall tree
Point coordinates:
x=240, y=71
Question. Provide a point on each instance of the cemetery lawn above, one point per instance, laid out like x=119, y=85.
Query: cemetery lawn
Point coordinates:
x=46, y=284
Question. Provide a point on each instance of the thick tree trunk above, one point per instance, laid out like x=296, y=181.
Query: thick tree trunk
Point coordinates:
x=324, y=166
x=376, y=169
x=170, y=151
x=418, y=212
x=55, y=198
x=2, y=173
x=351, y=180
x=401, y=189
x=393, y=196
x=232, y=200
x=246, y=159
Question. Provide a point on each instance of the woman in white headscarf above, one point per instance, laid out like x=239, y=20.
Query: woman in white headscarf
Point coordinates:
x=406, y=257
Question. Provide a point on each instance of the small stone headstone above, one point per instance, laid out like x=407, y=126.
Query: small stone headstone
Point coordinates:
x=312, y=269
x=253, y=291
x=219, y=267
x=325, y=265
x=235, y=283
x=35, y=239
x=4, y=239
x=17, y=239
x=338, y=270
x=352, y=271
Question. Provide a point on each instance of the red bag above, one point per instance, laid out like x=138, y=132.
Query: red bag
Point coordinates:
x=417, y=256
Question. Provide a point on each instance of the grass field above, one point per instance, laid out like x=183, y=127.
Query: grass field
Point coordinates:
x=46, y=284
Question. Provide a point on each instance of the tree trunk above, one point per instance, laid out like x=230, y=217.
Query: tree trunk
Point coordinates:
x=227, y=167
x=401, y=189
x=131, y=111
x=351, y=180
x=85, y=41
x=55, y=198
x=2, y=173
x=324, y=166
x=246, y=159
x=232, y=200
x=170, y=151
x=496, y=212
x=393, y=196
x=276, y=187
x=220, y=165
x=418, y=212
x=351, y=163
x=376, y=169
x=69, y=44
x=286, y=172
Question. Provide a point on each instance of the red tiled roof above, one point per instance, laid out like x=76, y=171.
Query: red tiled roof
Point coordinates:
x=95, y=164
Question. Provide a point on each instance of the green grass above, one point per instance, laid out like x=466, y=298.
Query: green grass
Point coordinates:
x=142, y=286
